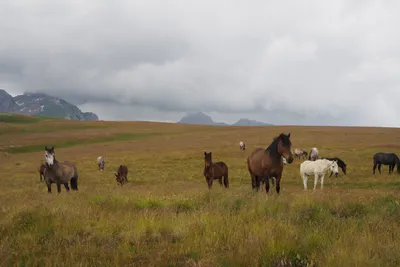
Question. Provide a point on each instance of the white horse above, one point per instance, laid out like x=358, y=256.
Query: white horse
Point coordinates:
x=242, y=146
x=101, y=163
x=317, y=168
x=314, y=154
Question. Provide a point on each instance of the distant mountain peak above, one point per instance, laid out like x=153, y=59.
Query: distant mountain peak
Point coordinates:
x=203, y=119
x=40, y=104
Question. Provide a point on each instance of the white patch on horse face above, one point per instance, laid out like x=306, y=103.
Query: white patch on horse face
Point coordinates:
x=335, y=167
x=49, y=158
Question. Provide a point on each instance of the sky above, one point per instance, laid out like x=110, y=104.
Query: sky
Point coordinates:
x=282, y=62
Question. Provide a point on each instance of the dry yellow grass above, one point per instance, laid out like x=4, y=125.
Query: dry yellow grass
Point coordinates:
x=166, y=216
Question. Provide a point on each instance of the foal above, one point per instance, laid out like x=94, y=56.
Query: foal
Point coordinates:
x=214, y=171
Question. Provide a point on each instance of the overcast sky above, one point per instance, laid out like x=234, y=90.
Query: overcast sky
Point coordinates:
x=315, y=62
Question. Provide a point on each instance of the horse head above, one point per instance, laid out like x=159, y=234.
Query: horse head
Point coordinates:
x=335, y=168
x=49, y=156
x=285, y=147
x=207, y=159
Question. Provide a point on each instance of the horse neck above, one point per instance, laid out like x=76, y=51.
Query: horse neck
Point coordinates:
x=207, y=168
x=272, y=150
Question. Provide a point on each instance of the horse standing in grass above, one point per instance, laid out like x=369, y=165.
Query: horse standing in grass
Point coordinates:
x=317, y=168
x=263, y=164
x=242, y=146
x=390, y=159
x=122, y=174
x=340, y=163
x=59, y=173
x=101, y=163
x=41, y=170
x=314, y=154
x=214, y=171
x=300, y=153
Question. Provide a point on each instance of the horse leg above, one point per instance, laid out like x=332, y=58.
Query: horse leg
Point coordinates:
x=66, y=187
x=253, y=181
x=58, y=187
x=266, y=184
x=226, y=180
x=322, y=181
x=258, y=180
x=273, y=180
x=305, y=178
x=379, y=168
x=374, y=168
x=220, y=180
x=210, y=182
x=48, y=186
x=278, y=183
x=315, y=180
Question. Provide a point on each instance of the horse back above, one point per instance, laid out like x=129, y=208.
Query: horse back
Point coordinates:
x=220, y=166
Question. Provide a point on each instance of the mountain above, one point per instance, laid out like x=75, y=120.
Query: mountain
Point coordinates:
x=203, y=119
x=247, y=122
x=38, y=104
x=199, y=118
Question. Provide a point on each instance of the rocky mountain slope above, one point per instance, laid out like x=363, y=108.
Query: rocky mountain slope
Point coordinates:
x=37, y=104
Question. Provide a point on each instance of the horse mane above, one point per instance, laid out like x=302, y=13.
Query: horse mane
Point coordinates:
x=272, y=149
x=339, y=161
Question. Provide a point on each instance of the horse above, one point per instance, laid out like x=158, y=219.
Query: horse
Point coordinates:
x=101, y=163
x=263, y=164
x=317, y=168
x=340, y=163
x=59, y=173
x=284, y=161
x=242, y=146
x=41, y=170
x=314, y=154
x=122, y=174
x=300, y=153
x=215, y=170
x=390, y=159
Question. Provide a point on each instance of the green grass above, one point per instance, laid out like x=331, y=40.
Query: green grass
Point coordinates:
x=70, y=143
x=18, y=119
x=166, y=216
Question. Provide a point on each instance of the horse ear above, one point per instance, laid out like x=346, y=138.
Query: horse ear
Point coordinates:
x=45, y=148
x=52, y=148
x=205, y=153
x=288, y=135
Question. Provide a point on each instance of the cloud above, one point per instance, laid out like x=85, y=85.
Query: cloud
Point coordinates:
x=315, y=62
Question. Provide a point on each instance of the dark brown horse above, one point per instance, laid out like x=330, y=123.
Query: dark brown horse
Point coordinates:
x=122, y=174
x=263, y=164
x=214, y=171
x=41, y=170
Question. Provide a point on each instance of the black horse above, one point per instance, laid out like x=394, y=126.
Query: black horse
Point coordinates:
x=340, y=163
x=390, y=159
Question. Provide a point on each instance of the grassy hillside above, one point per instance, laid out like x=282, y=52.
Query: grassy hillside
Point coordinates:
x=166, y=216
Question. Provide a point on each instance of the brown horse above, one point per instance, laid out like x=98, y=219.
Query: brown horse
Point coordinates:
x=59, y=173
x=122, y=174
x=263, y=164
x=214, y=171
x=41, y=170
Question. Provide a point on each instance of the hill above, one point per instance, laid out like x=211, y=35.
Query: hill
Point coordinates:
x=38, y=104
x=166, y=216
x=202, y=119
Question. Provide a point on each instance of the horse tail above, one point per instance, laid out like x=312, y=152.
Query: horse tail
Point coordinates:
x=74, y=179
x=226, y=178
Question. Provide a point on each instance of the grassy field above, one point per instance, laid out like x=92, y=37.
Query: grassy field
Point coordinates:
x=166, y=216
